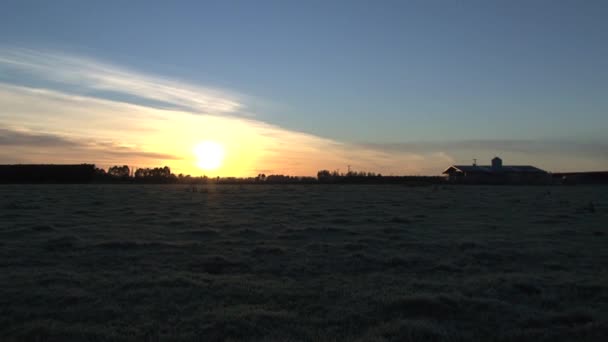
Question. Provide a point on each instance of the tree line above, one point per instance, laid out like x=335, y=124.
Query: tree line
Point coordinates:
x=364, y=177
x=146, y=175
x=89, y=173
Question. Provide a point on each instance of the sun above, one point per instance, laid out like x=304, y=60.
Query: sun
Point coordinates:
x=209, y=155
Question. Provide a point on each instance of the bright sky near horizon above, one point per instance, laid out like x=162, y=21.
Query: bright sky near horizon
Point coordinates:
x=396, y=87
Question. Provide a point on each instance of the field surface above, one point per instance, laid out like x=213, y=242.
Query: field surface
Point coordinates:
x=303, y=263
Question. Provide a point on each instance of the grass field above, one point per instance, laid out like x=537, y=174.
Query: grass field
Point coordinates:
x=303, y=263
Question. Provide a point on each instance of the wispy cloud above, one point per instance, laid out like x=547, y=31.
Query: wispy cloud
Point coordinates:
x=13, y=138
x=10, y=138
x=60, y=108
x=66, y=99
x=535, y=147
x=82, y=75
x=41, y=124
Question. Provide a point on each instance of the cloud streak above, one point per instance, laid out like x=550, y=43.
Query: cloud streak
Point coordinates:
x=11, y=138
x=40, y=124
x=86, y=76
x=525, y=146
x=59, y=108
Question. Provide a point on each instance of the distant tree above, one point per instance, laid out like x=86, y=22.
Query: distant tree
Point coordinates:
x=323, y=174
x=100, y=174
x=120, y=172
x=156, y=175
x=141, y=173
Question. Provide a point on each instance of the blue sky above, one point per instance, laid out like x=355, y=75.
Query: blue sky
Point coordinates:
x=392, y=75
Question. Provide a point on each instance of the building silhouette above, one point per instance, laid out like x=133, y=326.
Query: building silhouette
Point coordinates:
x=496, y=173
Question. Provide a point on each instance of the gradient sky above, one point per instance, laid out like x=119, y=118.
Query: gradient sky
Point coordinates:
x=397, y=87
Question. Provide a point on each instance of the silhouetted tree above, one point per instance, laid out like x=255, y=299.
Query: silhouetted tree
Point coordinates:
x=323, y=174
x=120, y=172
x=157, y=175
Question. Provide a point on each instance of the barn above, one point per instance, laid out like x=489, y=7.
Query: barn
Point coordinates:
x=497, y=173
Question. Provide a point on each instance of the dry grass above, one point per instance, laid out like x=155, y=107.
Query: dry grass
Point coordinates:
x=303, y=263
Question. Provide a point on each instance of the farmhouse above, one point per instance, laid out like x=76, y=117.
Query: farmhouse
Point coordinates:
x=497, y=174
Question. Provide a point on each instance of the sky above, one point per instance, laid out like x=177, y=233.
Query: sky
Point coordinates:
x=293, y=87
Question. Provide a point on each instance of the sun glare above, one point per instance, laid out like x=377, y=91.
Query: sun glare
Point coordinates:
x=209, y=155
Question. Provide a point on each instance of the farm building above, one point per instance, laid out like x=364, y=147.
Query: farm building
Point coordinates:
x=82, y=173
x=497, y=174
